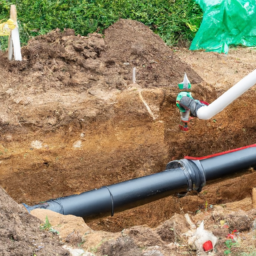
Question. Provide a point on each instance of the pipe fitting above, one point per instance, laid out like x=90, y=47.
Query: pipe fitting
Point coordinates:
x=193, y=171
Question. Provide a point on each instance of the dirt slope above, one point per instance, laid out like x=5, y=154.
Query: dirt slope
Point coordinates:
x=20, y=233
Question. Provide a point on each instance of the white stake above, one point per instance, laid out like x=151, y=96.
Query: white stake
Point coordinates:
x=14, y=39
x=134, y=76
x=10, y=49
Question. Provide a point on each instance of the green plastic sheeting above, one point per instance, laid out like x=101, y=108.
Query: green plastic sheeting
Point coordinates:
x=226, y=22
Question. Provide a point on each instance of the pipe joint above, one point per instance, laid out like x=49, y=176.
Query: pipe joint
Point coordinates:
x=193, y=171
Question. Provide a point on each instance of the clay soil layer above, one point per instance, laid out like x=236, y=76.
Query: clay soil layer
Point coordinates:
x=71, y=120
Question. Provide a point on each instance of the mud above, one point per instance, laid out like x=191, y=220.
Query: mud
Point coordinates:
x=71, y=120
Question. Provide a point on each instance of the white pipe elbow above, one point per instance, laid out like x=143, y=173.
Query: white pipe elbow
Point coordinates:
x=228, y=97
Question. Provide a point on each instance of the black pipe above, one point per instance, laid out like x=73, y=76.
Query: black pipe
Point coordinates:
x=216, y=167
x=180, y=176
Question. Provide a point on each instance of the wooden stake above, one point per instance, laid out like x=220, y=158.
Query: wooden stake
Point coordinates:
x=13, y=14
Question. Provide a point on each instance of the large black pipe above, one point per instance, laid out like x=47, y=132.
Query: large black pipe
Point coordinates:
x=180, y=176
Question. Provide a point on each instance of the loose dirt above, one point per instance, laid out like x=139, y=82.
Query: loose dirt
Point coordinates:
x=170, y=238
x=71, y=120
x=20, y=232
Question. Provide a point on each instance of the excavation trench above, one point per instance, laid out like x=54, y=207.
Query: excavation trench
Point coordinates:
x=71, y=121
x=75, y=158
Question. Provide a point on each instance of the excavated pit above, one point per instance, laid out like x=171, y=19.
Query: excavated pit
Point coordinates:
x=71, y=120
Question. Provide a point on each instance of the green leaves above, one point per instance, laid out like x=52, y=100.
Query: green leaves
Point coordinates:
x=172, y=20
x=47, y=225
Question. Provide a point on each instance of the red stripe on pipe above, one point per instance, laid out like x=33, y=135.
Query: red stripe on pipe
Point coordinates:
x=219, y=154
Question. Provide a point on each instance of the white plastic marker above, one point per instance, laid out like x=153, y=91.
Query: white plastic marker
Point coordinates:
x=14, y=39
x=185, y=84
x=228, y=97
x=134, y=76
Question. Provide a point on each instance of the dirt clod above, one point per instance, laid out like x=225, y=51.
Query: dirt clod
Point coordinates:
x=122, y=246
x=170, y=231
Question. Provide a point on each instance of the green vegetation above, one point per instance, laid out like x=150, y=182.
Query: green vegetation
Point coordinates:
x=173, y=20
x=229, y=244
x=48, y=227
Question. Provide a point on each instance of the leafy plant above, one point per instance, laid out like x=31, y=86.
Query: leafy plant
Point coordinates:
x=173, y=20
x=229, y=244
x=47, y=225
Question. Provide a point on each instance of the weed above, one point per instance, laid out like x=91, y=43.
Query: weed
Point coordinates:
x=229, y=244
x=47, y=225
x=54, y=231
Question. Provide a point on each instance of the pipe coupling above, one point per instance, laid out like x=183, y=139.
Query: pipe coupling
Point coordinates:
x=193, y=171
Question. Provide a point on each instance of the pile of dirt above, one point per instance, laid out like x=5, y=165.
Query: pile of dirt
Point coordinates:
x=58, y=60
x=20, y=233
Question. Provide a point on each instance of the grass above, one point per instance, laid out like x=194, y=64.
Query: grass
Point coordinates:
x=173, y=20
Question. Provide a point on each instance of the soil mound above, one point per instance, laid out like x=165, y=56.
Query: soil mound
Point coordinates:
x=61, y=59
x=132, y=42
x=20, y=232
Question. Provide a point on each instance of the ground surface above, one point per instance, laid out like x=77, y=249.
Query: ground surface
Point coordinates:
x=172, y=237
x=71, y=120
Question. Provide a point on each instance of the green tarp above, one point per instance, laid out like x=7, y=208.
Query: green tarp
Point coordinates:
x=226, y=22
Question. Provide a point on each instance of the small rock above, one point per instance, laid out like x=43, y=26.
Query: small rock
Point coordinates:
x=77, y=252
x=36, y=144
x=77, y=144
x=152, y=253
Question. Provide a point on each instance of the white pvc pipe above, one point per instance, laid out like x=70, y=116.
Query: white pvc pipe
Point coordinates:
x=10, y=48
x=228, y=97
x=16, y=44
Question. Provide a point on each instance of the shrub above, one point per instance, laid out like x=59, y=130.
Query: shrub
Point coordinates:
x=173, y=20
